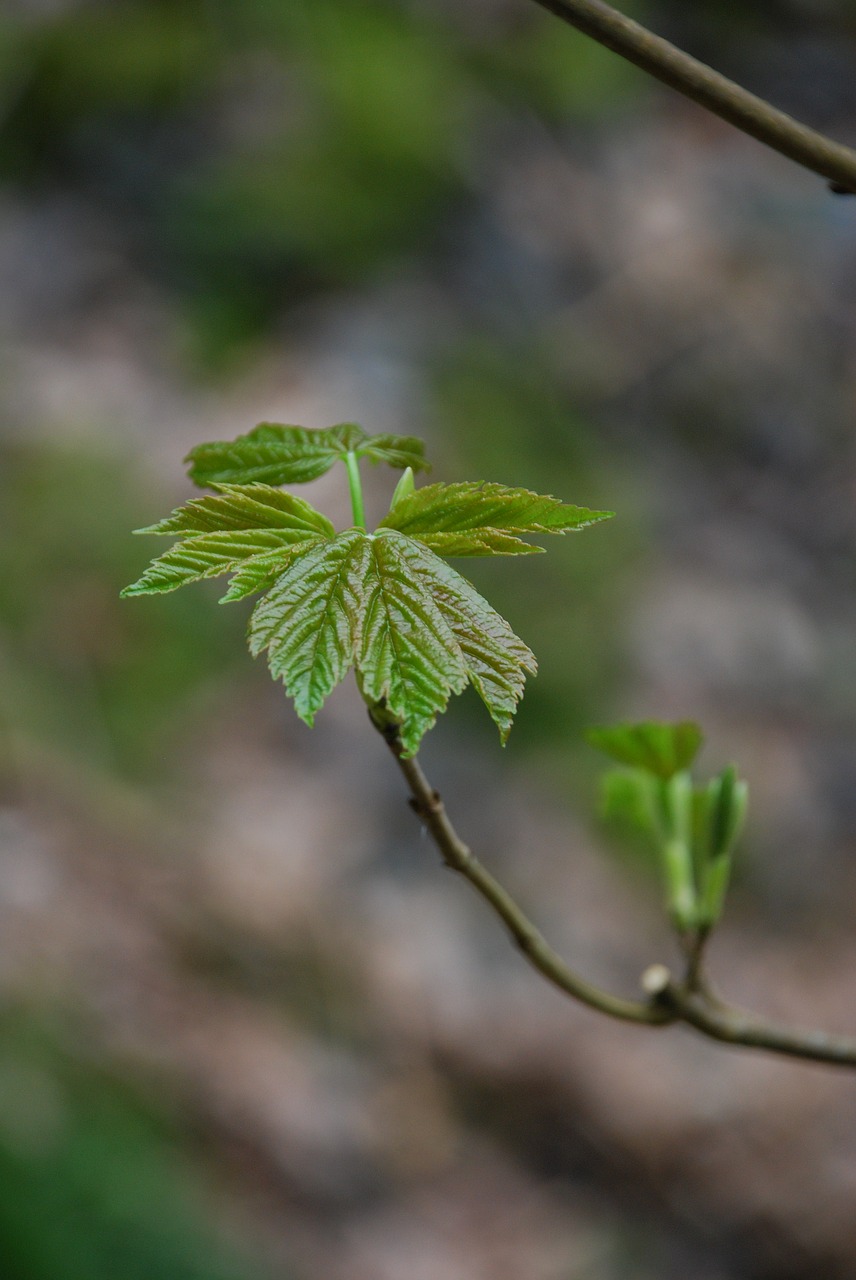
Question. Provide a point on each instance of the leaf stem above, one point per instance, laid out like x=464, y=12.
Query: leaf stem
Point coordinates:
x=669, y=1000
x=718, y=94
x=356, y=487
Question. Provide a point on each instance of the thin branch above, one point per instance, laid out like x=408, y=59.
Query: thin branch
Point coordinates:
x=693, y=944
x=730, y=1025
x=456, y=855
x=720, y=95
x=669, y=1001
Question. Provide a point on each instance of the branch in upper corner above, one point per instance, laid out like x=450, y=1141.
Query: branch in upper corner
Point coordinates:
x=695, y=80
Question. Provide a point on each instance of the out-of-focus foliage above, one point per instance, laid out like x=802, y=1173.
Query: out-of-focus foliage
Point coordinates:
x=660, y=749
x=692, y=829
x=93, y=1182
x=261, y=149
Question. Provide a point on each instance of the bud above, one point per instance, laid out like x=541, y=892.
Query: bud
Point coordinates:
x=404, y=488
x=727, y=800
x=677, y=804
x=716, y=880
x=681, y=900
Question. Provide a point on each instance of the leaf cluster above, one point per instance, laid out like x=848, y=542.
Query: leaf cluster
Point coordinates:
x=385, y=602
x=692, y=826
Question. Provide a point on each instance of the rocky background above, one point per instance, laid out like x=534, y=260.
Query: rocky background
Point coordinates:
x=250, y=1028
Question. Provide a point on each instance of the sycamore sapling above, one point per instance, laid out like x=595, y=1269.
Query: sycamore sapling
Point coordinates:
x=415, y=631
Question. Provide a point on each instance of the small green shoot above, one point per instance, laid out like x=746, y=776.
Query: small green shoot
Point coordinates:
x=692, y=827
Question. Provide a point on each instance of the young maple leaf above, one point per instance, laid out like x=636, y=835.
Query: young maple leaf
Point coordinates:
x=478, y=519
x=277, y=454
x=385, y=603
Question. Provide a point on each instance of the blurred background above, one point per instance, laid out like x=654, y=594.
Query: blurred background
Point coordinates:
x=248, y=1026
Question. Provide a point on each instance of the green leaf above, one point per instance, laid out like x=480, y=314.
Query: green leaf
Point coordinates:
x=400, y=452
x=628, y=806
x=276, y=454
x=660, y=749
x=360, y=599
x=250, y=506
x=727, y=800
x=471, y=519
x=625, y=800
x=309, y=622
x=681, y=890
x=271, y=453
x=676, y=806
x=415, y=630
x=237, y=526
x=409, y=659
x=496, y=659
x=260, y=572
x=717, y=880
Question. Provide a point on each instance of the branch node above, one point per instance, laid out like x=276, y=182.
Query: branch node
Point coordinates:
x=656, y=981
